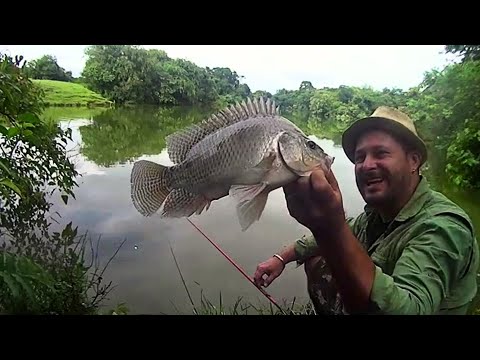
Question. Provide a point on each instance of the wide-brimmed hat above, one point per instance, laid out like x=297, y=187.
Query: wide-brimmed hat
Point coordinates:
x=387, y=119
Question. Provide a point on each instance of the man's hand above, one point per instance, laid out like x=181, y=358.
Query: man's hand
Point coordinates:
x=272, y=268
x=316, y=202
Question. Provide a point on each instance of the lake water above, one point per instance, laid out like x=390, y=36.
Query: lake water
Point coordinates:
x=105, y=145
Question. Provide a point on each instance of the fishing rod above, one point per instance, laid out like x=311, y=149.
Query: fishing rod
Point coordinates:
x=267, y=295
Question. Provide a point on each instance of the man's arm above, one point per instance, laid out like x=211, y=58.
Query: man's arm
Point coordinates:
x=316, y=202
x=351, y=267
x=299, y=251
x=307, y=246
x=422, y=277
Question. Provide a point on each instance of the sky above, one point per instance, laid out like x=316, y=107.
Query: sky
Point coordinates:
x=275, y=67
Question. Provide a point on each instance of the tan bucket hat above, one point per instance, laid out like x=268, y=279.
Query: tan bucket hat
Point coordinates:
x=384, y=118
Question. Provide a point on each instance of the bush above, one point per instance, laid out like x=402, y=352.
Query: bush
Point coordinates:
x=463, y=157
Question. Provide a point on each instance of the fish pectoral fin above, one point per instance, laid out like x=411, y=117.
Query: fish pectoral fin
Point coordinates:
x=242, y=193
x=181, y=203
x=251, y=201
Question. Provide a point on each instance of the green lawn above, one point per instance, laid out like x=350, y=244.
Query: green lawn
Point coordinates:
x=59, y=93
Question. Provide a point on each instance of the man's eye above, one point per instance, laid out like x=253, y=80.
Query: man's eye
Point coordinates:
x=359, y=158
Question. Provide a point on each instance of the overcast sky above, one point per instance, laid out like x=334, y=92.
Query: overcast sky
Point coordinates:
x=273, y=67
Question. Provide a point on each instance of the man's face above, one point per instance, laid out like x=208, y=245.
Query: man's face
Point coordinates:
x=382, y=168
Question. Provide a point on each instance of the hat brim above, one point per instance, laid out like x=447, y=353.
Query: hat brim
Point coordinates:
x=351, y=135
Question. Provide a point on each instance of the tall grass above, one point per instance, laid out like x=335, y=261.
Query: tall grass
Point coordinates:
x=245, y=307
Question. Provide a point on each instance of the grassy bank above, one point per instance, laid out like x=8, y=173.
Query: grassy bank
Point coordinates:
x=59, y=93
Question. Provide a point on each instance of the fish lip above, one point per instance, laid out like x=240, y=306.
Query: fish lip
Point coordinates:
x=331, y=159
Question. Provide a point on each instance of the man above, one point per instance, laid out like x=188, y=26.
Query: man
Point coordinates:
x=412, y=251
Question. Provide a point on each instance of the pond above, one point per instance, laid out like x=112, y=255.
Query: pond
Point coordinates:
x=105, y=145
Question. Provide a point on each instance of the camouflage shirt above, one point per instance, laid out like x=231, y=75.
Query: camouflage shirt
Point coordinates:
x=426, y=259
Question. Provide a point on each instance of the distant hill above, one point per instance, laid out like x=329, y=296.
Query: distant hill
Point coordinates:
x=59, y=93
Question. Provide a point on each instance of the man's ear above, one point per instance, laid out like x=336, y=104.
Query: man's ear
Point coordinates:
x=415, y=159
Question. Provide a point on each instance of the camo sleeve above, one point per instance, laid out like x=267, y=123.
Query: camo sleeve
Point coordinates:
x=306, y=246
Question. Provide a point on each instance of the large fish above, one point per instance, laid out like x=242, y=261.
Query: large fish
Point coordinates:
x=245, y=151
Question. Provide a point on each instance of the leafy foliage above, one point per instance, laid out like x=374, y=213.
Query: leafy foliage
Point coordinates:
x=130, y=74
x=447, y=111
x=463, y=157
x=33, y=158
x=42, y=272
x=47, y=68
x=23, y=285
x=467, y=52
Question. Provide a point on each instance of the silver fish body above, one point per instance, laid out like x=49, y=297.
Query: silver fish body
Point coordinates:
x=245, y=151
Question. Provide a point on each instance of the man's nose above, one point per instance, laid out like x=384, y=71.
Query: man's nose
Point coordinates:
x=369, y=162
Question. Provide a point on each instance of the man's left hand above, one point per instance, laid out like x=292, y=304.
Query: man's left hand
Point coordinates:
x=315, y=201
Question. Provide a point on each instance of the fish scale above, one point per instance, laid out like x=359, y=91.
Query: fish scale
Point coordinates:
x=226, y=154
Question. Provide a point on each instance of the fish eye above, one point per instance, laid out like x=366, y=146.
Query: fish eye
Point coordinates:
x=311, y=145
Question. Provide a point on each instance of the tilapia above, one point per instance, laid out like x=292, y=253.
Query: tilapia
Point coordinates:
x=244, y=151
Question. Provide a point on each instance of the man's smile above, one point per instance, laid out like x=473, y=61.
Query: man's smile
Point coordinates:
x=373, y=181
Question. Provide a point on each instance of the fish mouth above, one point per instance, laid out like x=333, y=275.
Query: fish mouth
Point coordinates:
x=326, y=165
x=330, y=160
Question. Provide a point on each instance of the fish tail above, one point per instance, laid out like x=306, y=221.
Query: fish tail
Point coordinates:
x=149, y=186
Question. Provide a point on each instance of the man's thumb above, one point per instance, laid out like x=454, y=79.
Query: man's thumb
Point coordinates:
x=332, y=180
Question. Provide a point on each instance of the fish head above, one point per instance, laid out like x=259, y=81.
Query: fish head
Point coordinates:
x=303, y=155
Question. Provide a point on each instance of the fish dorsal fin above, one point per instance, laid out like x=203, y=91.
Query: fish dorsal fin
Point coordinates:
x=180, y=143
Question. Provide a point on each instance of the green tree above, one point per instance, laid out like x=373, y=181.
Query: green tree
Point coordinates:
x=115, y=71
x=446, y=108
x=130, y=74
x=467, y=52
x=228, y=86
x=306, y=86
x=47, y=68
